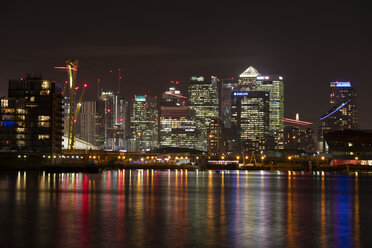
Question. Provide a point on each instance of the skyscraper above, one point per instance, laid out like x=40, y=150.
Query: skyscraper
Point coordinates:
x=203, y=101
x=177, y=128
x=144, y=129
x=250, y=118
x=343, y=112
x=275, y=86
x=252, y=80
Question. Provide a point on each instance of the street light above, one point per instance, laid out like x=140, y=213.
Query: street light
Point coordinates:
x=289, y=158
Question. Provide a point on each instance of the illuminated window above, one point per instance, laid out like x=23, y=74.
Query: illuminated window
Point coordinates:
x=44, y=92
x=20, y=136
x=43, y=124
x=4, y=103
x=45, y=85
x=21, y=111
x=43, y=136
x=20, y=130
x=32, y=99
x=43, y=117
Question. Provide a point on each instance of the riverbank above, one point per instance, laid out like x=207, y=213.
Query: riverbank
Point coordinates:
x=68, y=168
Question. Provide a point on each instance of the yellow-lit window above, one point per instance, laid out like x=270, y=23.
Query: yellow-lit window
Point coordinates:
x=43, y=117
x=45, y=85
x=44, y=92
x=20, y=130
x=21, y=111
x=43, y=136
x=4, y=103
x=43, y=124
x=32, y=99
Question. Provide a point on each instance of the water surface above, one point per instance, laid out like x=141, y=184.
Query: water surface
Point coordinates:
x=154, y=208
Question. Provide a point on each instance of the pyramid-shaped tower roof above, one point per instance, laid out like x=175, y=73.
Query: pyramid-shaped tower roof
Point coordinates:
x=250, y=72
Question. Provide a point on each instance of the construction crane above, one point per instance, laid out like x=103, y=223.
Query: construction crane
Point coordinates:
x=99, y=81
x=71, y=68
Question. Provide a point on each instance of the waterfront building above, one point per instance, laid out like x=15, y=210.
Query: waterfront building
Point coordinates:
x=177, y=127
x=203, y=102
x=343, y=112
x=216, y=137
x=350, y=147
x=298, y=135
x=144, y=128
x=31, y=116
x=250, y=119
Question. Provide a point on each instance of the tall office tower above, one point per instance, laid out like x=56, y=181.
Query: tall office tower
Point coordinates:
x=177, y=128
x=252, y=80
x=298, y=135
x=144, y=128
x=250, y=119
x=31, y=116
x=225, y=89
x=275, y=86
x=216, y=137
x=343, y=112
x=87, y=124
x=203, y=101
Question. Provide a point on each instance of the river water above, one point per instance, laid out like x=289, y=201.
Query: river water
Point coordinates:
x=161, y=208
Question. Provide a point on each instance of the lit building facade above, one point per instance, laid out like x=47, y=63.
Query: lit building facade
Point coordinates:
x=177, y=128
x=203, y=102
x=144, y=128
x=252, y=80
x=343, y=112
x=31, y=116
x=275, y=86
x=250, y=118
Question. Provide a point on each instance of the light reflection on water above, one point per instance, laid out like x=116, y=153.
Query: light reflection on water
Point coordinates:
x=182, y=208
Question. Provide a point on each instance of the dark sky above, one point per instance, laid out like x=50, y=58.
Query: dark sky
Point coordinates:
x=309, y=43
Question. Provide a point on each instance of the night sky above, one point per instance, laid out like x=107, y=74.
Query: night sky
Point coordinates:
x=309, y=43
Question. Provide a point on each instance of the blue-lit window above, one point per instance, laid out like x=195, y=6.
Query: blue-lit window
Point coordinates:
x=9, y=123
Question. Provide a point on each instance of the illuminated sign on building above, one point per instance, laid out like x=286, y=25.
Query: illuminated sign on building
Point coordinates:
x=240, y=93
x=342, y=84
x=140, y=99
x=199, y=79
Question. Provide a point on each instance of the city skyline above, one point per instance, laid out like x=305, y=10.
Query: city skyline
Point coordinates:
x=309, y=46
